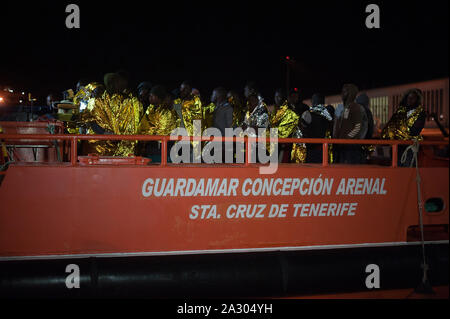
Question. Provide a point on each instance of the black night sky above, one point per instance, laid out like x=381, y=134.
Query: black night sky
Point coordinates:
x=216, y=43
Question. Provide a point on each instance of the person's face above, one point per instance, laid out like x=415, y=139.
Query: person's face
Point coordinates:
x=79, y=86
x=195, y=92
x=293, y=98
x=185, y=90
x=98, y=91
x=168, y=100
x=252, y=102
x=344, y=93
x=412, y=100
x=315, y=100
x=50, y=99
x=246, y=92
x=155, y=100
x=143, y=93
x=278, y=99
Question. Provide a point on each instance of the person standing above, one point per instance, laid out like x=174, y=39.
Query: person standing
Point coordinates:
x=115, y=112
x=349, y=126
x=223, y=112
x=189, y=109
x=159, y=119
x=285, y=120
x=406, y=123
x=316, y=125
x=143, y=93
x=256, y=115
x=238, y=110
x=295, y=102
x=364, y=100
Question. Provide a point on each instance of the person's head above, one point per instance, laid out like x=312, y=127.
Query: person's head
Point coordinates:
x=412, y=98
x=195, y=92
x=293, y=97
x=363, y=99
x=158, y=95
x=219, y=95
x=124, y=76
x=317, y=99
x=234, y=98
x=98, y=91
x=250, y=88
x=51, y=98
x=253, y=100
x=175, y=93
x=144, y=91
x=169, y=99
x=115, y=83
x=80, y=84
x=280, y=97
x=349, y=92
x=185, y=89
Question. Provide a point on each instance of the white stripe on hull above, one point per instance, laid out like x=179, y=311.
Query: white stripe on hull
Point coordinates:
x=218, y=251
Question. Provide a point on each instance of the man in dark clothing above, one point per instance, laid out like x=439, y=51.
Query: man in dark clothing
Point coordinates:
x=51, y=100
x=223, y=112
x=364, y=100
x=349, y=126
x=222, y=116
x=249, y=88
x=316, y=125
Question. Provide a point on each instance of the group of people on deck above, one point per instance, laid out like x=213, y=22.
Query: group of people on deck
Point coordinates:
x=111, y=108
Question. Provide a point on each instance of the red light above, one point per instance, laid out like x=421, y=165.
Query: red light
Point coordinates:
x=295, y=89
x=288, y=58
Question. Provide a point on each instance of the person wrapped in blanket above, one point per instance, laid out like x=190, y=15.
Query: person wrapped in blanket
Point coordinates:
x=317, y=123
x=189, y=109
x=81, y=99
x=143, y=94
x=256, y=115
x=406, y=123
x=159, y=119
x=116, y=112
x=286, y=121
x=238, y=108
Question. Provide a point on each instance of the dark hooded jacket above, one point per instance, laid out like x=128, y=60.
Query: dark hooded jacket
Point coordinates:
x=364, y=100
x=350, y=123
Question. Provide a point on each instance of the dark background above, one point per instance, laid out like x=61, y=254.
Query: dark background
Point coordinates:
x=223, y=43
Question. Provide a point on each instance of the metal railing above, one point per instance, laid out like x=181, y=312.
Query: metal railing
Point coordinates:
x=73, y=139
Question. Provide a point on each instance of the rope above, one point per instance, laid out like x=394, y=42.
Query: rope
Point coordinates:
x=414, y=148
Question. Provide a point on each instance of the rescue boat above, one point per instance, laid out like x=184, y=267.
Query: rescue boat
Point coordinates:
x=139, y=229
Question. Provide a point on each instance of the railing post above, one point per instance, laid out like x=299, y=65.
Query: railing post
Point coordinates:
x=325, y=154
x=394, y=155
x=164, y=152
x=73, y=151
x=247, y=152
